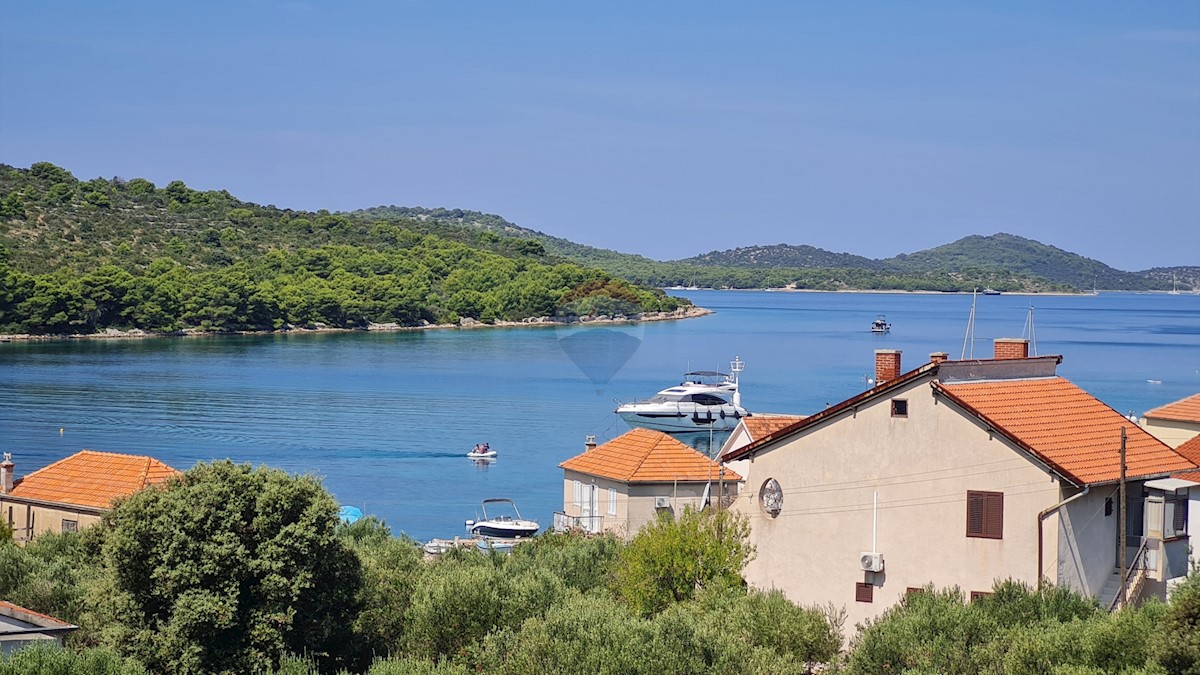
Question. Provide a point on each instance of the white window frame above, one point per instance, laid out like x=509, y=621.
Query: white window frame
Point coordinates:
x=578, y=494
x=612, y=501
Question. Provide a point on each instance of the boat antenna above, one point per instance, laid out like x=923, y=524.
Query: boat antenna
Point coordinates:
x=737, y=366
x=1029, y=332
x=969, y=338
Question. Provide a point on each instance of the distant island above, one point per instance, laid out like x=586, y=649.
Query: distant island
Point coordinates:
x=102, y=255
x=1004, y=262
x=85, y=257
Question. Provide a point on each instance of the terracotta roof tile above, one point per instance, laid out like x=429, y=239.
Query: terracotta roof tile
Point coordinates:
x=1067, y=427
x=761, y=425
x=647, y=456
x=1191, y=450
x=1183, y=410
x=90, y=478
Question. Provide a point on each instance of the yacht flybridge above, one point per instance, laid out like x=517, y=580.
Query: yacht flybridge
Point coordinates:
x=706, y=399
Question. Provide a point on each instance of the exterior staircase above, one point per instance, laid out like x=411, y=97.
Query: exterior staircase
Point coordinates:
x=1135, y=558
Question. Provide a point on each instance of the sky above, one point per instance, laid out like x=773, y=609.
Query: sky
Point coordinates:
x=667, y=129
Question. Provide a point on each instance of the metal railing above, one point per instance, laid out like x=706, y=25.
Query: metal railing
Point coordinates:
x=566, y=523
x=1135, y=578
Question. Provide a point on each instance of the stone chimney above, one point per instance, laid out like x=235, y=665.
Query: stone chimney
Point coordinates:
x=1011, y=348
x=887, y=365
x=6, y=474
x=589, y=443
x=937, y=357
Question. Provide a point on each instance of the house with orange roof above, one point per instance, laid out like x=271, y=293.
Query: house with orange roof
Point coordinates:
x=20, y=627
x=1175, y=423
x=624, y=484
x=960, y=473
x=73, y=492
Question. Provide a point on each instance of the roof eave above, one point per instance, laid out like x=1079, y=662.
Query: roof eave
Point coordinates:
x=832, y=411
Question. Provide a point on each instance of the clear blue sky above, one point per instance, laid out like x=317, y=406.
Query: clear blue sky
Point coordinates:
x=665, y=128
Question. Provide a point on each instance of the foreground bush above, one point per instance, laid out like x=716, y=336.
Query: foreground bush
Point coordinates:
x=48, y=659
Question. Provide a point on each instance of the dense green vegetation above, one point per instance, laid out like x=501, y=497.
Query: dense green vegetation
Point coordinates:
x=800, y=267
x=81, y=256
x=230, y=569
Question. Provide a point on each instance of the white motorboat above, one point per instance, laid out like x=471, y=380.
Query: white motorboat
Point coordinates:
x=482, y=451
x=706, y=399
x=500, y=524
x=880, y=324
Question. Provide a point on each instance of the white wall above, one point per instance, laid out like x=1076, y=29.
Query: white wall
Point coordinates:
x=921, y=467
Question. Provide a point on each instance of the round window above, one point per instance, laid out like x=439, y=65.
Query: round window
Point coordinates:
x=770, y=496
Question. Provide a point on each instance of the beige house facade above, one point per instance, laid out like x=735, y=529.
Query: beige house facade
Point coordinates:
x=958, y=473
x=625, y=484
x=1174, y=423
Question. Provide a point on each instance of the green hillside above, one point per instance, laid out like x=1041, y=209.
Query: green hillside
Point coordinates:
x=1007, y=252
x=780, y=266
x=783, y=255
x=83, y=256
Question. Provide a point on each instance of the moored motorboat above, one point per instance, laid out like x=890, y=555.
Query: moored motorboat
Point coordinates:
x=880, y=324
x=502, y=525
x=706, y=399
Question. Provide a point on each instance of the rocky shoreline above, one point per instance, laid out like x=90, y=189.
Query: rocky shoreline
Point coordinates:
x=689, y=312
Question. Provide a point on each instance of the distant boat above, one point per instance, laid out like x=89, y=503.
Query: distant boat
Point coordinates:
x=880, y=324
x=482, y=451
x=990, y=291
x=1174, y=285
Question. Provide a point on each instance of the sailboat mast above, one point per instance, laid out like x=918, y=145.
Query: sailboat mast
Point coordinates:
x=969, y=338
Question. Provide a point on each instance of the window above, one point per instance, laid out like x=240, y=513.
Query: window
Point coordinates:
x=979, y=595
x=612, y=501
x=1108, y=507
x=913, y=590
x=899, y=407
x=985, y=514
x=1175, y=520
x=70, y=525
x=578, y=494
x=864, y=592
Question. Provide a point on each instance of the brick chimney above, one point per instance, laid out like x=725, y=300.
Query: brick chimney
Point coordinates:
x=937, y=357
x=1011, y=348
x=887, y=365
x=6, y=474
x=589, y=443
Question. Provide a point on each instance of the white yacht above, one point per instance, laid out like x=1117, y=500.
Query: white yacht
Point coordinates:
x=502, y=525
x=706, y=399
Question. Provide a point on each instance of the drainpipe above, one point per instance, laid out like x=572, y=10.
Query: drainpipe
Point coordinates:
x=1042, y=516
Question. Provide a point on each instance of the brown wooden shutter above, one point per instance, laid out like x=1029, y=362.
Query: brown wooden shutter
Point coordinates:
x=993, y=515
x=1180, y=518
x=974, y=514
x=864, y=592
x=985, y=514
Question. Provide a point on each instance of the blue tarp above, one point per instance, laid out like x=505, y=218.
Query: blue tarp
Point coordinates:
x=349, y=514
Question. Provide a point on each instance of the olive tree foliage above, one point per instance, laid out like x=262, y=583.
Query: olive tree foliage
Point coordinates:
x=670, y=560
x=225, y=569
x=1178, y=648
x=49, y=659
x=1016, y=630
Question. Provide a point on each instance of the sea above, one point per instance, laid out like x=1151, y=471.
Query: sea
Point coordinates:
x=385, y=419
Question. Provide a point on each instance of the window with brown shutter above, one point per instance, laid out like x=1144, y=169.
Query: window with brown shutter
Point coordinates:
x=985, y=514
x=864, y=592
x=979, y=595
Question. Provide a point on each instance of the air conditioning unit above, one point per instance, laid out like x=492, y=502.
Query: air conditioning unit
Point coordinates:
x=871, y=562
x=662, y=502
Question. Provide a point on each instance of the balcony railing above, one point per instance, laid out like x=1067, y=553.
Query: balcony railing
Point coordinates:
x=566, y=523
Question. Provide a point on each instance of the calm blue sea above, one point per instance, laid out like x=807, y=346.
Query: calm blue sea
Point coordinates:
x=385, y=418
